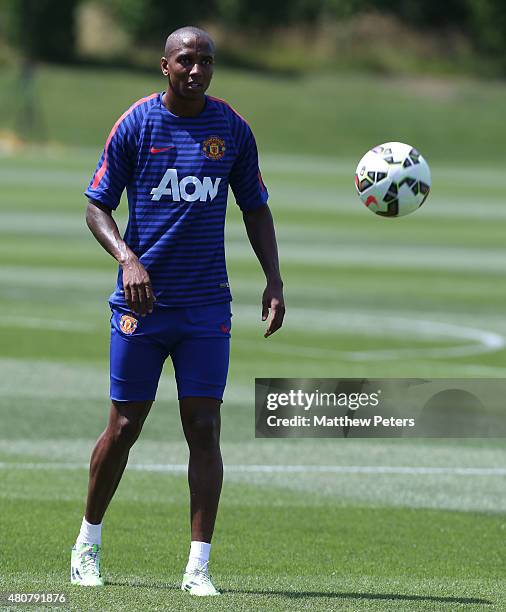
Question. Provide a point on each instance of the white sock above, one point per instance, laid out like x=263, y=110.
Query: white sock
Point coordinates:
x=199, y=556
x=89, y=534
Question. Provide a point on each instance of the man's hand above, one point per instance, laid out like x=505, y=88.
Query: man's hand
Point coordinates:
x=136, y=282
x=137, y=286
x=260, y=229
x=273, y=299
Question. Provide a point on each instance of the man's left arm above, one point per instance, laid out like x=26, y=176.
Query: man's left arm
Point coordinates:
x=261, y=234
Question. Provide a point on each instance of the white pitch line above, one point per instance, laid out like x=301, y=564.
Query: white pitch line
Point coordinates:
x=272, y=469
x=381, y=325
x=485, y=342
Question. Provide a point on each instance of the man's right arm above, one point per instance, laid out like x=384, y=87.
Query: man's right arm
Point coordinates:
x=136, y=282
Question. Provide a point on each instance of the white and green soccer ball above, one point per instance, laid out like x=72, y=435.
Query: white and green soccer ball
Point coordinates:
x=393, y=179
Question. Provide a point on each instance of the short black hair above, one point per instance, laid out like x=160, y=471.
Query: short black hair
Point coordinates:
x=175, y=38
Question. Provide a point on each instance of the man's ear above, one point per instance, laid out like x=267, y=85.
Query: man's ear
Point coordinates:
x=164, y=65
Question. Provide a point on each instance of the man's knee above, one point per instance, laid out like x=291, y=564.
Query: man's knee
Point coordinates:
x=125, y=424
x=126, y=430
x=203, y=431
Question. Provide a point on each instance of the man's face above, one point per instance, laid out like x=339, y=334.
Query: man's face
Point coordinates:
x=189, y=67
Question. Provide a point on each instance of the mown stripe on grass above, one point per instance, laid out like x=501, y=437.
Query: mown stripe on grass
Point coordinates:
x=267, y=469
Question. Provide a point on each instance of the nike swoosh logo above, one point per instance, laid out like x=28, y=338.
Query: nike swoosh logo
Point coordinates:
x=161, y=150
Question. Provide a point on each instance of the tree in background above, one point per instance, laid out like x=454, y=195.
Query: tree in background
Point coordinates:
x=42, y=29
x=46, y=29
x=423, y=13
x=148, y=21
x=487, y=25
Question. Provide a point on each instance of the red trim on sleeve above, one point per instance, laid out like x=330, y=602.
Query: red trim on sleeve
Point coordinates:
x=261, y=181
x=103, y=168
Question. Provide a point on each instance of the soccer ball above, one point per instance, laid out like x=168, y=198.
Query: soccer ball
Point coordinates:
x=393, y=179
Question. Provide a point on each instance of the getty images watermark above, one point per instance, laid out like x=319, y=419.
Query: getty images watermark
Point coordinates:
x=392, y=408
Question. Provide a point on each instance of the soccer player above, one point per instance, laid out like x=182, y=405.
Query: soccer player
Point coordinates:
x=176, y=153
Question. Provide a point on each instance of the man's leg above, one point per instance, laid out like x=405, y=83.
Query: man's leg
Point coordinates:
x=200, y=417
x=201, y=364
x=108, y=461
x=136, y=361
x=110, y=455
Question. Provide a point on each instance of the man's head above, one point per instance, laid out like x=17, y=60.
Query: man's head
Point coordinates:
x=188, y=62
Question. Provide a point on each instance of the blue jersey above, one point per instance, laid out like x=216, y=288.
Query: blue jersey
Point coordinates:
x=176, y=171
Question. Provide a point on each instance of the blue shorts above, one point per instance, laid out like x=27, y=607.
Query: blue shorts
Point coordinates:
x=197, y=338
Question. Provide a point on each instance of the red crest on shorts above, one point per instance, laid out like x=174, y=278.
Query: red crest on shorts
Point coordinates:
x=128, y=324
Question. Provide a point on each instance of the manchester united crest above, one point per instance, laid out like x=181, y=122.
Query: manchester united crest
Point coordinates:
x=213, y=148
x=128, y=324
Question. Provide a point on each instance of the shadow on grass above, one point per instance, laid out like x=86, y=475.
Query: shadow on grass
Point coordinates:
x=143, y=584
x=377, y=596
x=309, y=594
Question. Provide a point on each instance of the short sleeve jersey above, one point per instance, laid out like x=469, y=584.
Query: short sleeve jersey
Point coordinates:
x=176, y=171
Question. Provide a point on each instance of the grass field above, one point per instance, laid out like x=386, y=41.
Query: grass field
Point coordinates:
x=318, y=114
x=367, y=297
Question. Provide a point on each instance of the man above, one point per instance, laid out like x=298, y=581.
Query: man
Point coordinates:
x=176, y=153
